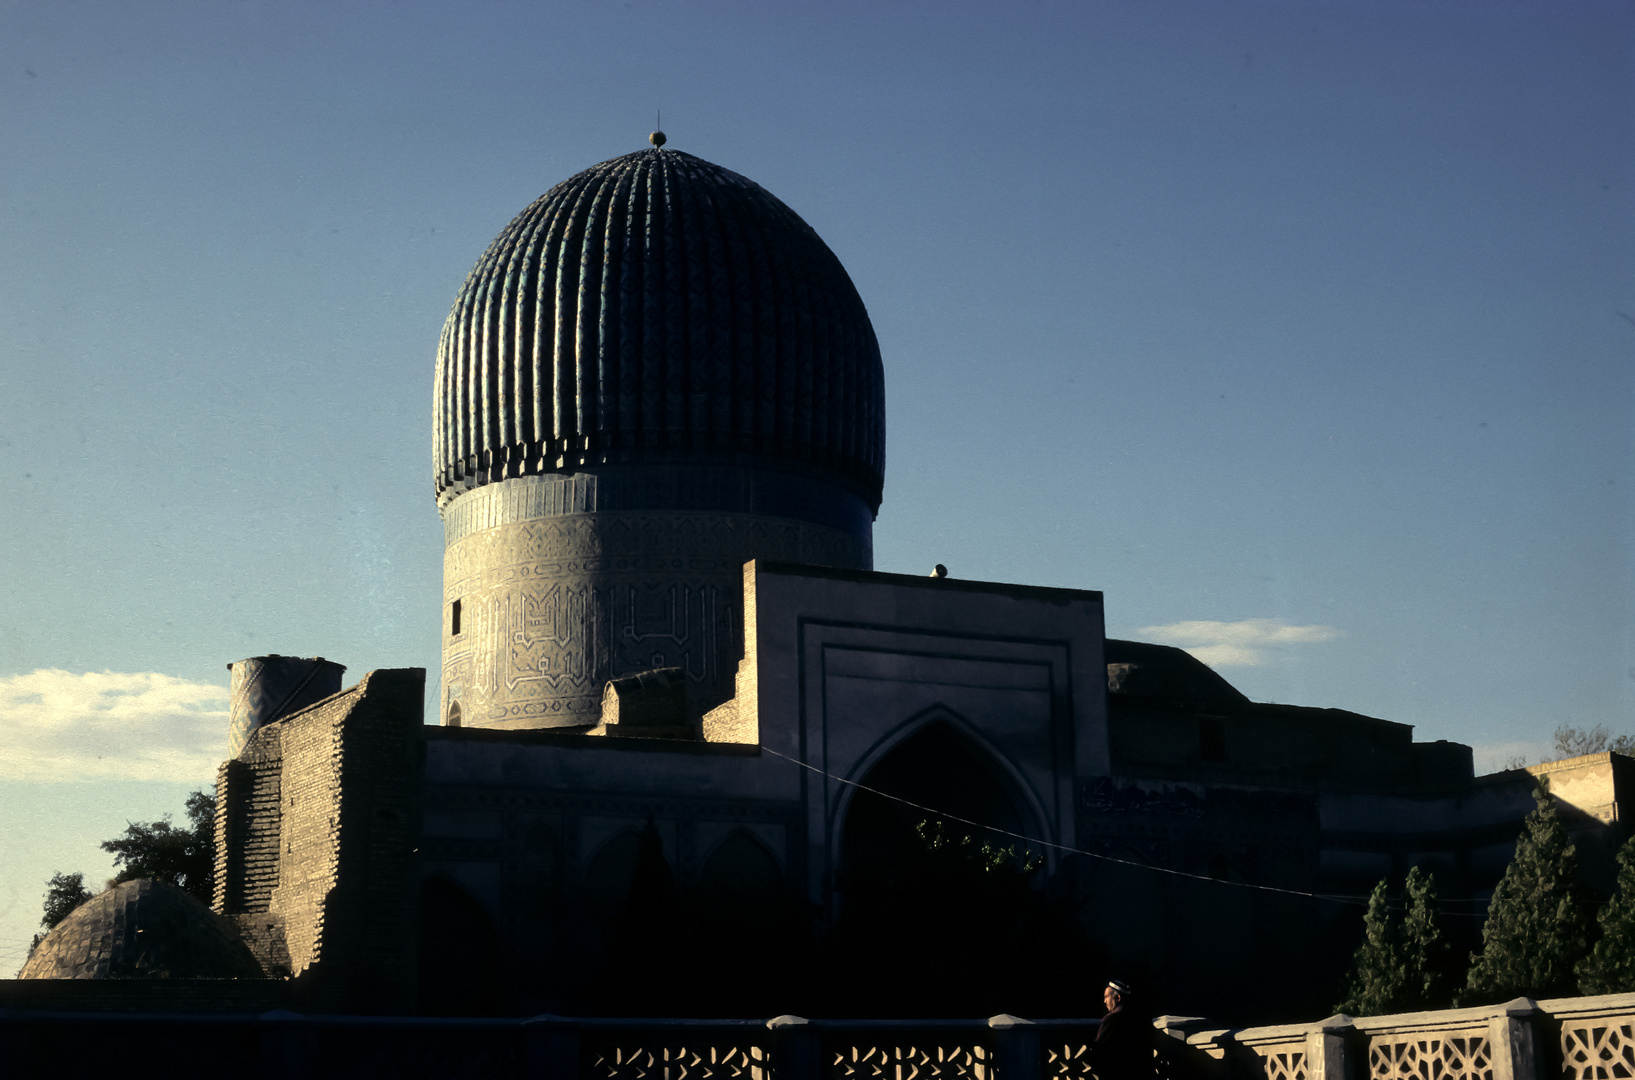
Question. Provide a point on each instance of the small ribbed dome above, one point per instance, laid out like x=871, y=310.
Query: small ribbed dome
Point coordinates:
x=142, y=930
x=658, y=308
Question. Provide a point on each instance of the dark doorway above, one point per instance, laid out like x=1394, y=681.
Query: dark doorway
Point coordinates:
x=459, y=953
x=959, y=909
x=740, y=870
x=936, y=768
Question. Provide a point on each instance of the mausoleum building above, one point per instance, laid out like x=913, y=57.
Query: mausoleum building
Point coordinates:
x=659, y=448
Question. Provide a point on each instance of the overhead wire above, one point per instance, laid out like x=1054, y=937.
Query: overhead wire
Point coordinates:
x=1349, y=899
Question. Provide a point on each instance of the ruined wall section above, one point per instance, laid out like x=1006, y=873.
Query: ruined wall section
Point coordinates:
x=248, y=846
x=315, y=843
x=344, y=810
x=247, y=825
x=309, y=837
x=372, y=908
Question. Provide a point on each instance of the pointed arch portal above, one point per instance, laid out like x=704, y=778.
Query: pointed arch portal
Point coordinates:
x=938, y=767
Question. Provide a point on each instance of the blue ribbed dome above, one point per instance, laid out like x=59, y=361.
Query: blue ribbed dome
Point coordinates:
x=658, y=309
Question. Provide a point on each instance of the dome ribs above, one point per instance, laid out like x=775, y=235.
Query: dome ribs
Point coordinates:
x=531, y=335
x=763, y=327
x=461, y=368
x=651, y=428
x=631, y=277
x=491, y=432
x=441, y=411
x=578, y=370
x=564, y=303
x=657, y=308
x=698, y=343
x=672, y=308
x=506, y=334
x=738, y=303
x=477, y=398
x=808, y=382
x=834, y=365
x=603, y=412
x=787, y=400
x=718, y=319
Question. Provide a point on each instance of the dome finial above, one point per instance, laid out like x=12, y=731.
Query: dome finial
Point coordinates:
x=657, y=138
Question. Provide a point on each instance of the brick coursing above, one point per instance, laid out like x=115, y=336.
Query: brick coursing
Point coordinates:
x=315, y=844
x=248, y=823
x=263, y=932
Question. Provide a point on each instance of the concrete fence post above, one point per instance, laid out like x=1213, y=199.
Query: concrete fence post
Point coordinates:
x=1513, y=1036
x=14, y=1041
x=550, y=1047
x=1015, y=1047
x=797, y=1048
x=1326, y=1050
x=1178, y=1056
x=286, y=1044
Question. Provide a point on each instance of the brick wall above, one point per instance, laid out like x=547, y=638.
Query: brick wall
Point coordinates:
x=347, y=814
x=380, y=828
x=309, y=823
x=315, y=844
x=248, y=824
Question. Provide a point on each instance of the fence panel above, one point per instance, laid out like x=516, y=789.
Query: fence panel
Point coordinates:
x=920, y=1056
x=1598, y=1050
x=1441, y=1055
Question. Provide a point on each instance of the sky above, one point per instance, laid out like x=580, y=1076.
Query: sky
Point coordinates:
x=1305, y=331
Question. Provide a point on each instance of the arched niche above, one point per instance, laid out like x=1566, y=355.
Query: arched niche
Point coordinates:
x=920, y=903
x=629, y=934
x=740, y=869
x=628, y=874
x=608, y=875
x=935, y=766
x=459, y=953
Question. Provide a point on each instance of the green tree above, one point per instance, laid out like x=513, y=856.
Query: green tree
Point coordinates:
x=184, y=857
x=1535, y=927
x=1376, y=978
x=63, y=893
x=1610, y=967
x=1427, y=955
x=1400, y=966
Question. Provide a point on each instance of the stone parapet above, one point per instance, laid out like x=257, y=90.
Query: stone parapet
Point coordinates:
x=1586, y=1038
x=87, y=1015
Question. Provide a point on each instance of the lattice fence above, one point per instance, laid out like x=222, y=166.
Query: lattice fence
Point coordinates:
x=678, y=1061
x=1283, y=1063
x=921, y=1061
x=1602, y=1049
x=1068, y=1061
x=1430, y=1057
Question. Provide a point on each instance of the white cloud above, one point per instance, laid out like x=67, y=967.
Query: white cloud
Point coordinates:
x=56, y=725
x=1236, y=644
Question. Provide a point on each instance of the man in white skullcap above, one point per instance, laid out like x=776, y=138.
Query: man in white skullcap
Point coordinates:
x=1123, y=1046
